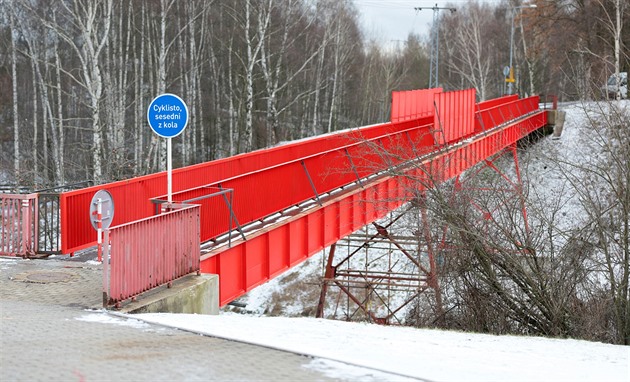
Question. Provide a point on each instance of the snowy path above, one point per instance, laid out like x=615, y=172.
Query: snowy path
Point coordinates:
x=418, y=353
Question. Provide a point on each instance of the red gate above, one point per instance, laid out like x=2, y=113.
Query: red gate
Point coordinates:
x=150, y=252
x=18, y=224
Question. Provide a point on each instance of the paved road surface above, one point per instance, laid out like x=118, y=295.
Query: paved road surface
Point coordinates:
x=48, y=333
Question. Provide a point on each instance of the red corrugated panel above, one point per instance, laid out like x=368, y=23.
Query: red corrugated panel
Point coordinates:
x=412, y=104
x=454, y=117
x=152, y=252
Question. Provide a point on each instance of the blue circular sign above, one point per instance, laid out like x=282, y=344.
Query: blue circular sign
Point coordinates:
x=167, y=115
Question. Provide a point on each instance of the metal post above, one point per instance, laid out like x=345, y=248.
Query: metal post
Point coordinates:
x=328, y=276
x=310, y=180
x=354, y=169
x=432, y=275
x=437, y=50
x=26, y=227
x=434, y=52
x=99, y=229
x=519, y=188
x=511, y=44
x=169, y=170
x=106, y=271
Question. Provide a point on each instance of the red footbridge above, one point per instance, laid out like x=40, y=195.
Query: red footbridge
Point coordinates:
x=252, y=216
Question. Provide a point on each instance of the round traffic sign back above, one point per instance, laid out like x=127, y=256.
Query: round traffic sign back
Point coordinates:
x=104, y=198
x=167, y=115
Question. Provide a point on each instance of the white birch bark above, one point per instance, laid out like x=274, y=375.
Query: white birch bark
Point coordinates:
x=470, y=59
x=333, y=98
x=35, y=149
x=60, y=118
x=253, y=45
x=273, y=68
x=161, y=84
x=48, y=118
x=247, y=135
x=531, y=62
x=16, y=122
x=231, y=110
x=318, y=88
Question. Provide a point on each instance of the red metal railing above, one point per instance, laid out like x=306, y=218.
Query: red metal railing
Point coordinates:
x=259, y=176
x=150, y=252
x=494, y=114
x=18, y=224
x=264, y=192
x=483, y=105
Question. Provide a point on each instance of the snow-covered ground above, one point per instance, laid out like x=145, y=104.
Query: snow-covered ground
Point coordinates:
x=359, y=351
x=548, y=162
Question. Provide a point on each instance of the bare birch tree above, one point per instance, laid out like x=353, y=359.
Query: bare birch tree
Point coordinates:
x=16, y=122
x=613, y=23
x=465, y=41
x=91, y=20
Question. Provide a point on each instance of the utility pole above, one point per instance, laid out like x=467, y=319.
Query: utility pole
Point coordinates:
x=435, y=43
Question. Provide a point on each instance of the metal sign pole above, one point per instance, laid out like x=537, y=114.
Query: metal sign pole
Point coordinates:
x=106, y=265
x=99, y=229
x=167, y=115
x=101, y=216
x=169, y=171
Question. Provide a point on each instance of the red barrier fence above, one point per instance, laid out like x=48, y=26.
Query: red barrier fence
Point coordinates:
x=150, y=252
x=18, y=224
x=454, y=115
x=264, y=192
x=412, y=104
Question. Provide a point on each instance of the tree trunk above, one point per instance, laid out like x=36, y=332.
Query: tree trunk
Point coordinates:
x=531, y=63
x=16, y=123
x=60, y=117
x=617, y=37
x=161, y=84
x=247, y=135
x=333, y=98
x=36, y=175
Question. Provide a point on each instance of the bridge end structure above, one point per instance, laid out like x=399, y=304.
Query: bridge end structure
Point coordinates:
x=192, y=294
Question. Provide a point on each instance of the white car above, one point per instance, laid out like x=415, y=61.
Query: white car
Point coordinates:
x=610, y=90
